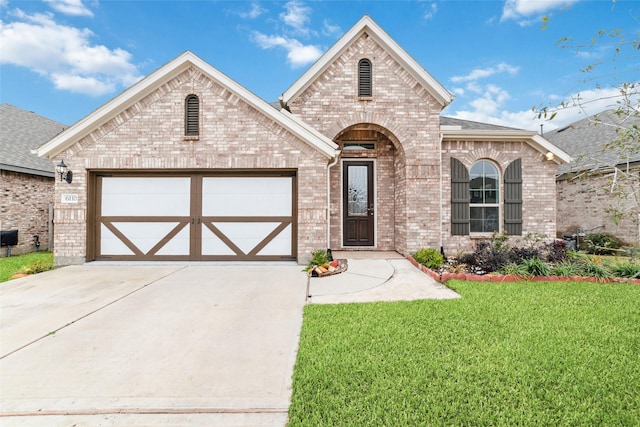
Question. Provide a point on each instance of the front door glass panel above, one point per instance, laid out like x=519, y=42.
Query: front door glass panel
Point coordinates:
x=358, y=192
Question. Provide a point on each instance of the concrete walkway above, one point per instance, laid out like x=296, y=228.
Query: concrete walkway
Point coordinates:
x=176, y=344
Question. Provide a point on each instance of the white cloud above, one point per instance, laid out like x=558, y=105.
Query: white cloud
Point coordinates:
x=65, y=55
x=297, y=53
x=577, y=106
x=520, y=9
x=69, y=7
x=297, y=16
x=481, y=73
x=431, y=11
x=255, y=11
x=330, y=30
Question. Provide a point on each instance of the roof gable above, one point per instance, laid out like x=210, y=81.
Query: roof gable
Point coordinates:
x=164, y=74
x=368, y=26
x=586, y=139
x=21, y=132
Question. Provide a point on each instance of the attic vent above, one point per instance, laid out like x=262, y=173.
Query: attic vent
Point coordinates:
x=192, y=116
x=364, y=78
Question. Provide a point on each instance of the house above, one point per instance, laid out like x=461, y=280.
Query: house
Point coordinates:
x=189, y=165
x=26, y=180
x=583, y=186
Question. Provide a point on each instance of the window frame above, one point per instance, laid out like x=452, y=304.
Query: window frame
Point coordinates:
x=498, y=199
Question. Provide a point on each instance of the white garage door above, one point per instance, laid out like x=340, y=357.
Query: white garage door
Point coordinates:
x=196, y=217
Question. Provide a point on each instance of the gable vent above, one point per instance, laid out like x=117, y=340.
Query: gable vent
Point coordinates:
x=192, y=116
x=365, y=86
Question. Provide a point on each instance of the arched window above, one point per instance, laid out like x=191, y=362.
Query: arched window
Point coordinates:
x=192, y=116
x=484, y=198
x=365, y=83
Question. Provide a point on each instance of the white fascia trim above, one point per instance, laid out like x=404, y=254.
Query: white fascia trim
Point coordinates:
x=366, y=24
x=166, y=73
x=532, y=138
x=84, y=126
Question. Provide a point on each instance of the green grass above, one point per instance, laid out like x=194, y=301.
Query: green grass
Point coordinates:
x=544, y=354
x=34, y=262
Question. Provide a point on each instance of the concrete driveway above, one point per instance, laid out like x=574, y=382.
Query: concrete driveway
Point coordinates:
x=150, y=345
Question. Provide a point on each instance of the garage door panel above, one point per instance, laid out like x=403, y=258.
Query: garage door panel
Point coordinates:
x=280, y=244
x=247, y=196
x=125, y=196
x=110, y=244
x=196, y=217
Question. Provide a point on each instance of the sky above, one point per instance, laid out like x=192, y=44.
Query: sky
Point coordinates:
x=62, y=59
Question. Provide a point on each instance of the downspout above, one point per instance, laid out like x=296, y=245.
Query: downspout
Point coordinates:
x=329, y=166
x=441, y=200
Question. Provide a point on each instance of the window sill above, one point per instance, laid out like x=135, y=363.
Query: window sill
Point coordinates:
x=481, y=236
x=365, y=98
x=191, y=138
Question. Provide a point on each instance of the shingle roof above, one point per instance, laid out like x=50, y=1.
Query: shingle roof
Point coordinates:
x=20, y=132
x=585, y=141
x=470, y=125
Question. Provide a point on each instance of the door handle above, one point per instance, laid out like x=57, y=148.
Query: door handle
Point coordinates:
x=370, y=210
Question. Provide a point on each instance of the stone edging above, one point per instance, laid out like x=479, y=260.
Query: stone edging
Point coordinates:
x=444, y=277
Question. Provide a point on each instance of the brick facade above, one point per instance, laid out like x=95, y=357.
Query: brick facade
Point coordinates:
x=582, y=203
x=402, y=117
x=403, y=111
x=538, y=187
x=149, y=135
x=24, y=205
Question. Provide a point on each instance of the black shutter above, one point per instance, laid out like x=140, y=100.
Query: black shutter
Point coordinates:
x=192, y=116
x=513, y=198
x=459, y=198
x=365, y=85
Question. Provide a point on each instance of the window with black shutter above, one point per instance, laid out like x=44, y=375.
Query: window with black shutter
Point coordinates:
x=513, y=198
x=192, y=116
x=365, y=84
x=459, y=198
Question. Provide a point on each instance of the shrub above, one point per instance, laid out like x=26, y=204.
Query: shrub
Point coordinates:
x=566, y=268
x=556, y=251
x=601, y=243
x=625, y=269
x=536, y=267
x=595, y=269
x=429, y=257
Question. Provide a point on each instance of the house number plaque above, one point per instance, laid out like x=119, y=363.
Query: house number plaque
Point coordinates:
x=69, y=198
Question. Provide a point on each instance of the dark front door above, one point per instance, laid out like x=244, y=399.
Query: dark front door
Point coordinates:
x=358, y=204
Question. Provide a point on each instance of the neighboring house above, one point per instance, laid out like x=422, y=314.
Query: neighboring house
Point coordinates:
x=26, y=180
x=189, y=165
x=583, y=186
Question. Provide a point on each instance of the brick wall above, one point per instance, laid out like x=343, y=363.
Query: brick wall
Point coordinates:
x=582, y=203
x=24, y=205
x=538, y=187
x=407, y=114
x=149, y=135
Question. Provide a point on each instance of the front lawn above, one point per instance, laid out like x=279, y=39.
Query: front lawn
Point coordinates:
x=561, y=353
x=34, y=262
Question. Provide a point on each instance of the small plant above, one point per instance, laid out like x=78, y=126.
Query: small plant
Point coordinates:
x=595, y=269
x=536, y=267
x=566, y=269
x=515, y=269
x=319, y=257
x=429, y=257
x=37, y=267
x=602, y=243
x=625, y=269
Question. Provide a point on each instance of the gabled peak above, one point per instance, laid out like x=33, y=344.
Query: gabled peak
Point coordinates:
x=368, y=26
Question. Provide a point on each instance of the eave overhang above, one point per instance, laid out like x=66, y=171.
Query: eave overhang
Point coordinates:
x=532, y=138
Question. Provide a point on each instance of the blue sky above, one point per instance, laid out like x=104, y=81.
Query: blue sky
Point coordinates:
x=62, y=59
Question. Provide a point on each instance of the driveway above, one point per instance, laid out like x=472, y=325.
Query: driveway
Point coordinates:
x=150, y=345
